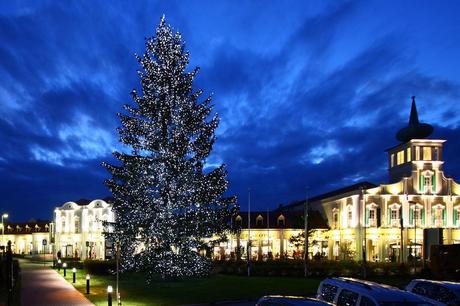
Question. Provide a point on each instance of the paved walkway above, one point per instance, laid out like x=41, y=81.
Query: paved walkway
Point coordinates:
x=42, y=286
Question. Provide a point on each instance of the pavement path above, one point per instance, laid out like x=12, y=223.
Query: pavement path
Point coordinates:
x=42, y=286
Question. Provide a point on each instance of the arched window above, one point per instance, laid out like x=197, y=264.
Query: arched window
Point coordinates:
x=349, y=215
x=335, y=218
x=77, y=225
x=281, y=220
x=259, y=220
x=238, y=221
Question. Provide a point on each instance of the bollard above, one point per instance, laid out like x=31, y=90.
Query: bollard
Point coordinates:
x=87, y=283
x=59, y=265
x=64, y=265
x=109, y=295
x=74, y=271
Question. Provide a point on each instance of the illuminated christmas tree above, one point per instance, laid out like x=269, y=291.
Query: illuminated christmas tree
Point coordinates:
x=165, y=201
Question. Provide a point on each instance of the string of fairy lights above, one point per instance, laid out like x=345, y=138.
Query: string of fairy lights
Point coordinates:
x=165, y=203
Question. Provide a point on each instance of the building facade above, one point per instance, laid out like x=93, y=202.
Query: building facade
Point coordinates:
x=395, y=221
x=79, y=229
x=269, y=234
x=29, y=238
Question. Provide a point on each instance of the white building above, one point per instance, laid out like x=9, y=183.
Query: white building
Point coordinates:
x=79, y=230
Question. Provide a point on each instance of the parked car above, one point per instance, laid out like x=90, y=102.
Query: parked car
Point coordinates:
x=278, y=300
x=342, y=291
x=437, y=292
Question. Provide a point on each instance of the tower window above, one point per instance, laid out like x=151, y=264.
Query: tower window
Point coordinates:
x=417, y=153
x=436, y=154
x=400, y=157
x=426, y=153
x=408, y=154
x=392, y=160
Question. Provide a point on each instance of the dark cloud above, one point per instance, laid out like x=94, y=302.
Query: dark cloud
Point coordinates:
x=310, y=98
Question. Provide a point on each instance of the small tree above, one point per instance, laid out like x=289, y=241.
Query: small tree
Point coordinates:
x=165, y=202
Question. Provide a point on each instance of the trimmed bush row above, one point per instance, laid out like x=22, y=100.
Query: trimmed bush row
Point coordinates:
x=315, y=268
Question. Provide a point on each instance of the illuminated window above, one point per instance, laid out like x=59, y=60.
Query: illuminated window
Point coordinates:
x=350, y=215
x=77, y=225
x=394, y=217
x=436, y=153
x=418, y=216
x=426, y=153
x=392, y=160
x=408, y=155
x=417, y=153
x=438, y=217
x=400, y=157
x=259, y=220
x=335, y=218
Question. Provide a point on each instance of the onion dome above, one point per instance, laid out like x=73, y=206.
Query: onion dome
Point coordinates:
x=415, y=129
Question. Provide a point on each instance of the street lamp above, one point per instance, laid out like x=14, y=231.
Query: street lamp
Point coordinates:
x=64, y=265
x=4, y=216
x=415, y=232
x=109, y=295
x=74, y=271
x=87, y=283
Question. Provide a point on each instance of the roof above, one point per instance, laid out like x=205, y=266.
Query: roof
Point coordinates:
x=20, y=228
x=414, y=129
x=346, y=189
x=294, y=300
x=378, y=291
x=292, y=219
x=108, y=199
x=450, y=285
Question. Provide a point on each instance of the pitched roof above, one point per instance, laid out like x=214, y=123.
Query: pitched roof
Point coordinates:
x=20, y=228
x=343, y=190
x=292, y=219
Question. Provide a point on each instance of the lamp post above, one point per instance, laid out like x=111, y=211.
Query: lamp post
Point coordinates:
x=109, y=295
x=64, y=265
x=87, y=283
x=4, y=216
x=74, y=272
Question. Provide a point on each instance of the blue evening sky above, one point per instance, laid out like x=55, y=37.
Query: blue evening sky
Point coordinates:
x=310, y=93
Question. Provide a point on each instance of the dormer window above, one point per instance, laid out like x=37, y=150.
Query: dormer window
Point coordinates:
x=238, y=221
x=259, y=220
x=281, y=220
x=427, y=182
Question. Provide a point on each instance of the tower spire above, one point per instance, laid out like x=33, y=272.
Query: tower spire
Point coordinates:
x=413, y=120
x=415, y=129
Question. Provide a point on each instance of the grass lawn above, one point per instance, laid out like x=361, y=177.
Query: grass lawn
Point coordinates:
x=134, y=290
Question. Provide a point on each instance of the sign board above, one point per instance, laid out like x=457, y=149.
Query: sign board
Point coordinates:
x=44, y=242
